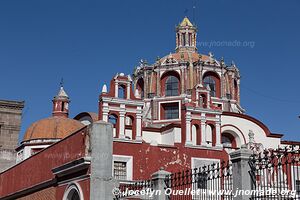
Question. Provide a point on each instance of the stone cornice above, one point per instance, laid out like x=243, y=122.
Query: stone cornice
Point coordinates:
x=16, y=105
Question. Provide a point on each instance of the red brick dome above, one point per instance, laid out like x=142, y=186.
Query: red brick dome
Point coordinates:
x=52, y=128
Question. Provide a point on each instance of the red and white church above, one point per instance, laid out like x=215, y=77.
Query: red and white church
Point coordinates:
x=182, y=111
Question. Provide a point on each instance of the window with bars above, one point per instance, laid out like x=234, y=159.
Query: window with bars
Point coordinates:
x=120, y=170
x=297, y=187
x=172, y=86
x=171, y=111
x=121, y=92
x=210, y=81
x=201, y=179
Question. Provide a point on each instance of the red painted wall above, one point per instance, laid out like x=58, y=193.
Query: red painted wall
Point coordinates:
x=37, y=168
x=148, y=159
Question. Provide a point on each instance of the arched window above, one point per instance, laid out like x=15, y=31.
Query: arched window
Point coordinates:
x=203, y=101
x=194, y=134
x=72, y=193
x=210, y=81
x=121, y=92
x=140, y=87
x=228, y=140
x=209, y=135
x=235, y=90
x=196, y=140
x=184, y=39
x=62, y=106
x=129, y=121
x=172, y=86
x=112, y=119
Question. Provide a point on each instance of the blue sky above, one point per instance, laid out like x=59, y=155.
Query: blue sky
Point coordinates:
x=88, y=42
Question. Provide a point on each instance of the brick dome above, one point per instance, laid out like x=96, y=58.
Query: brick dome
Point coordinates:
x=52, y=128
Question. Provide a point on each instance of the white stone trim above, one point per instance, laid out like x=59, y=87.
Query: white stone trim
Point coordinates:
x=72, y=186
x=129, y=164
x=122, y=101
x=166, y=102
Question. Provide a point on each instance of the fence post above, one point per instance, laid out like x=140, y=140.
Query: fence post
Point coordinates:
x=241, y=172
x=159, y=184
x=101, y=147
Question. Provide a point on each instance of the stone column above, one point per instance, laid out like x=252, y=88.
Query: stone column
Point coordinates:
x=139, y=124
x=101, y=146
x=241, y=171
x=182, y=84
x=158, y=87
x=203, y=130
x=218, y=132
x=116, y=89
x=122, y=121
x=188, y=128
x=105, y=110
x=128, y=91
x=159, y=184
x=200, y=74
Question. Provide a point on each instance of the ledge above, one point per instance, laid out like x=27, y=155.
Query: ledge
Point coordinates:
x=127, y=140
x=214, y=148
x=72, y=167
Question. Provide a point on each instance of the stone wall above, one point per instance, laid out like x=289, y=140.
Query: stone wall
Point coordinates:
x=10, y=123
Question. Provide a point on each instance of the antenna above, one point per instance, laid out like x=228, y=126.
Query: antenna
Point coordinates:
x=194, y=11
x=185, y=12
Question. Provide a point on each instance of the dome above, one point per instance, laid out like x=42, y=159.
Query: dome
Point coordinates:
x=52, y=128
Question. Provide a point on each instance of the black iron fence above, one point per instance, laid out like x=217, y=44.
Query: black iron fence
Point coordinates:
x=207, y=182
x=137, y=190
x=276, y=174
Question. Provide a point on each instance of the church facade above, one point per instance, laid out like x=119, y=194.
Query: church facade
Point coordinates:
x=181, y=112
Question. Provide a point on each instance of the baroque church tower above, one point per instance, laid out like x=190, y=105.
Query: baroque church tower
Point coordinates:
x=185, y=89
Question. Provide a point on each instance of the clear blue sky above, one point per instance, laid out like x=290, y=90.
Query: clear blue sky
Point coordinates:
x=87, y=42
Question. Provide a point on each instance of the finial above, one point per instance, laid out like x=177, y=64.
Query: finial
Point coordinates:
x=143, y=62
x=61, y=82
x=222, y=60
x=185, y=12
x=211, y=55
x=104, y=89
x=251, y=136
x=232, y=63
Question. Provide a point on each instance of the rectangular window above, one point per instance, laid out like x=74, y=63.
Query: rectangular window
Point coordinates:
x=171, y=110
x=202, y=180
x=120, y=170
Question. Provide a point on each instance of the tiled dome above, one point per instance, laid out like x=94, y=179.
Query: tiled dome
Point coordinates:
x=52, y=128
